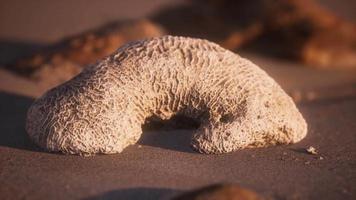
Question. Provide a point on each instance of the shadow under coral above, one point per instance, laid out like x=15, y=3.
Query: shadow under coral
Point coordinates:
x=173, y=134
x=13, y=110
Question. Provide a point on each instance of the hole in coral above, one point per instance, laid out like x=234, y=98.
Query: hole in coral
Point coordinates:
x=176, y=122
x=174, y=134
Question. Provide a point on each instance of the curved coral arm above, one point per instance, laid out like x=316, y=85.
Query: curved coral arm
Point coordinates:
x=102, y=109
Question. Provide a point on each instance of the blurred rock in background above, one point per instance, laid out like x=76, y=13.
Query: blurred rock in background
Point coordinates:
x=220, y=192
x=298, y=30
x=301, y=30
x=58, y=63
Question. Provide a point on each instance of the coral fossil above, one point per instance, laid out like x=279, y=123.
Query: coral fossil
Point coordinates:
x=103, y=108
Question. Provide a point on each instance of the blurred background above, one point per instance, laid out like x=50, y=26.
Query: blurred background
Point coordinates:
x=45, y=43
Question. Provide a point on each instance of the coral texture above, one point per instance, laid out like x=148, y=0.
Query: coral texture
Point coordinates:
x=103, y=108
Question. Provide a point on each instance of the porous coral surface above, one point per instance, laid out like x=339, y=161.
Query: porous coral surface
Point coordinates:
x=103, y=108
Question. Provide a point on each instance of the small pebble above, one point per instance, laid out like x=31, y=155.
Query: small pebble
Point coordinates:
x=312, y=150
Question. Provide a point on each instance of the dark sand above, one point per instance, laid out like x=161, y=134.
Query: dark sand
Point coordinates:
x=163, y=164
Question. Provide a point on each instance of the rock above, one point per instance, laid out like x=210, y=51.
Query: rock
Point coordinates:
x=220, y=192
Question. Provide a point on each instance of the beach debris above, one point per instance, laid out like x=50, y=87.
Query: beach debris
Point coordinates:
x=102, y=110
x=312, y=150
x=220, y=192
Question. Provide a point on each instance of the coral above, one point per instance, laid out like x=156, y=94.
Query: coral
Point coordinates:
x=103, y=108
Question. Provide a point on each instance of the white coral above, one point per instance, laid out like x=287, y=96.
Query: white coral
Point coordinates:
x=102, y=109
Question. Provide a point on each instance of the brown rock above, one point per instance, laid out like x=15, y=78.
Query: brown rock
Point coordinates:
x=220, y=192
